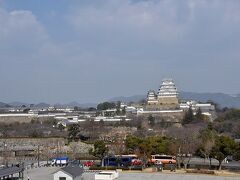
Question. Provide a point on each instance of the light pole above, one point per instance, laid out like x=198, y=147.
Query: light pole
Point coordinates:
x=38, y=155
x=5, y=153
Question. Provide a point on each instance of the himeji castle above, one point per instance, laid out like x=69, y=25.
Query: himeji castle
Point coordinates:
x=165, y=99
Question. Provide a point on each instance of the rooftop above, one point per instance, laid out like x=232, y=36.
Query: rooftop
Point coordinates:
x=74, y=171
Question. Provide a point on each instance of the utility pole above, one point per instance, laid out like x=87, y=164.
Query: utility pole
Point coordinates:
x=5, y=153
x=38, y=155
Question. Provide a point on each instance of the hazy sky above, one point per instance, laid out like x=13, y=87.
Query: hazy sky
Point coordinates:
x=91, y=50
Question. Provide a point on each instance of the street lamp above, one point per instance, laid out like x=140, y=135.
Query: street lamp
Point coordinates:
x=5, y=153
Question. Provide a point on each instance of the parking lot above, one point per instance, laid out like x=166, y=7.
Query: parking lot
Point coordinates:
x=46, y=173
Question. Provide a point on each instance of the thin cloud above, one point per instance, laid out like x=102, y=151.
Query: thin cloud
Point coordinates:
x=123, y=47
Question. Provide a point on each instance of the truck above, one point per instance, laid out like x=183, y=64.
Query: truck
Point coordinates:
x=59, y=161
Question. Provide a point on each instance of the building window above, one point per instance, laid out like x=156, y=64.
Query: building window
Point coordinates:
x=62, y=178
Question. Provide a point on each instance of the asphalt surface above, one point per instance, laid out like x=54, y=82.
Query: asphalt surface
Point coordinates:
x=46, y=173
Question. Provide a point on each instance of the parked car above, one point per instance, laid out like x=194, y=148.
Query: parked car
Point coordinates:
x=59, y=161
x=88, y=163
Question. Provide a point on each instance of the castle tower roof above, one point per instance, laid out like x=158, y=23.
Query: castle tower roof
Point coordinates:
x=167, y=89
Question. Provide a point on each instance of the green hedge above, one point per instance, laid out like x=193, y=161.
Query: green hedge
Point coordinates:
x=136, y=168
x=198, y=166
x=103, y=168
x=203, y=171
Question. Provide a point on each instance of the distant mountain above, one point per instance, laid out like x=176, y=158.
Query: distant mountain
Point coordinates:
x=42, y=105
x=18, y=104
x=46, y=105
x=73, y=104
x=223, y=100
x=82, y=105
x=4, y=105
x=86, y=105
x=135, y=98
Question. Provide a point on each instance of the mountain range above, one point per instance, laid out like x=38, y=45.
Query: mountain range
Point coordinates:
x=223, y=100
x=44, y=105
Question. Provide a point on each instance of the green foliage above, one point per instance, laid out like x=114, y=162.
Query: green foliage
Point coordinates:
x=124, y=168
x=147, y=145
x=207, y=137
x=199, y=116
x=112, y=168
x=100, y=149
x=124, y=111
x=106, y=105
x=229, y=114
x=233, y=114
x=131, y=143
x=142, y=101
x=228, y=122
x=224, y=146
x=207, y=134
x=236, y=155
x=91, y=109
x=189, y=117
x=61, y=127
x=151, y=120
x=237, y=135
x=73, y=132
x=118, y=106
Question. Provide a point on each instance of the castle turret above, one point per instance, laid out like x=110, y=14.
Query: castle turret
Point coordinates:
x=152, y=98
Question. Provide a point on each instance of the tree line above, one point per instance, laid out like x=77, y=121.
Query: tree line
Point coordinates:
x=207, y=144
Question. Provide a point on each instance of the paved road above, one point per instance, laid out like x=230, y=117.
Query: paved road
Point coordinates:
x=46, y=173
x=196, y=160
x=157, y=176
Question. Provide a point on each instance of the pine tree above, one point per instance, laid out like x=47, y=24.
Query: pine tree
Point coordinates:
x=189, y=117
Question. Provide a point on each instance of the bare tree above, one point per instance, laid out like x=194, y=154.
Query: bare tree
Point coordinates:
x=118, y=146
x=185, y=144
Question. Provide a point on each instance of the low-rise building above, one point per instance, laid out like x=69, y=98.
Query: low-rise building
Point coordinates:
x=68, y=173
x=207, y=109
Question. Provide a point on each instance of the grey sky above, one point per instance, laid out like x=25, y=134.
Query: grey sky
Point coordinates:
x=89, y=51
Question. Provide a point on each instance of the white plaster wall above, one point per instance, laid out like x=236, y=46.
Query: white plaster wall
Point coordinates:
x=61, y=174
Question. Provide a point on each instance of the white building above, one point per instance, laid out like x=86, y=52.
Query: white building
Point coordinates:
x=206, y=108
x=111, y=119
x=68, y=173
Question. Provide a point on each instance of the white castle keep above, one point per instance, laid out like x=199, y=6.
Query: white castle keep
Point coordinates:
x=166, y=98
